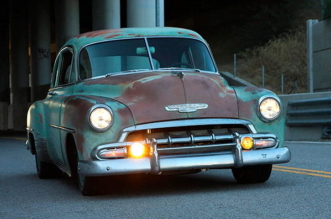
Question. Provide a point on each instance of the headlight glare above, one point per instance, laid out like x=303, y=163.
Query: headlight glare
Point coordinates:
x=269, y=109
x=137, y=150
x=101, y=118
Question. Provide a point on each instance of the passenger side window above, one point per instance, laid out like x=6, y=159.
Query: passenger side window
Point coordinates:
x=85, y=70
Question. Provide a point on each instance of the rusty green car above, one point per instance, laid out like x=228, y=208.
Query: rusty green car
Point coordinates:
x=150, y=101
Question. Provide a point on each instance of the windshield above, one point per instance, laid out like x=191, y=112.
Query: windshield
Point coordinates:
x=138, y=54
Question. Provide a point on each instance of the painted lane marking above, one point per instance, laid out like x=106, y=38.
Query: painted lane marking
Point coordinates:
x=307, y=172
x=16, y=138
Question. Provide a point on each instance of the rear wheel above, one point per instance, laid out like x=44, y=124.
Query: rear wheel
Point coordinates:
x=252, y=174
x=45, y=170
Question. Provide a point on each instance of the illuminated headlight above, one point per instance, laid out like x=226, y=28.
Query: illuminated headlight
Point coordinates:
x=100, y=117
x=269, y=109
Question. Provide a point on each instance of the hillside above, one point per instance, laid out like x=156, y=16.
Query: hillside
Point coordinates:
x=260, y=33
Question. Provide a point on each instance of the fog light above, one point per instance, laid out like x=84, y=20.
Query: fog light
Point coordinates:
x=247, y=143
x=137, y=150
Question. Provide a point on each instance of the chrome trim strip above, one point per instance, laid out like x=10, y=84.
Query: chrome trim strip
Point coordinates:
x=187, y=122
x=184, y=123
x=63, y=128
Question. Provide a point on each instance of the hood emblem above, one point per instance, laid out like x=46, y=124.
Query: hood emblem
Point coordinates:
x=186, y=108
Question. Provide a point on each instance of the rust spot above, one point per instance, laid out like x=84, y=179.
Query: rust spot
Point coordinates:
x=112, y=36
x=41, y=120
x=98, y=33
x=193, y=35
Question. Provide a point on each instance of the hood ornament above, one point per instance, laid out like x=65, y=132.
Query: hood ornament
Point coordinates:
x=178, y=74
x=187, y=107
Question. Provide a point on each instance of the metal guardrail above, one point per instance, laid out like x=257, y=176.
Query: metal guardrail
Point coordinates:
x=312, y=112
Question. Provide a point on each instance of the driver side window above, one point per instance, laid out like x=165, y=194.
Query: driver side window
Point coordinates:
x=64, y=68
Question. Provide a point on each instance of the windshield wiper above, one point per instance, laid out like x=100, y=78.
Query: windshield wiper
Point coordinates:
x=133, y=70
x=177, y=68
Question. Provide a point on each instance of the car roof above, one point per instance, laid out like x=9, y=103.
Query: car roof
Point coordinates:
x=123, y=33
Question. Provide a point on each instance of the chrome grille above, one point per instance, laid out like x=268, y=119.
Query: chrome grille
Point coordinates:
x=190, y=139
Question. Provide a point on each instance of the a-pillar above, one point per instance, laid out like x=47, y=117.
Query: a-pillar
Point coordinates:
x=40, y=42
x=145, y=13
x=106, y=14
x=19, y=64
x=4, y=65
x=67, y=21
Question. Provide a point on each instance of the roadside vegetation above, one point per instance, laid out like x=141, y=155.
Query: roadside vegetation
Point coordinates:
x=284, y=62
x=270, y=36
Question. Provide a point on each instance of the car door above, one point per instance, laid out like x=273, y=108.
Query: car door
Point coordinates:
x=61, y=87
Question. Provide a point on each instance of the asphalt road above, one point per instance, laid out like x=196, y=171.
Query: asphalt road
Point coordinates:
x=299, y=189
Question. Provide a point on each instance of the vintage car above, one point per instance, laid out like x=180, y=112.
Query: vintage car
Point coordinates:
x=150, y=101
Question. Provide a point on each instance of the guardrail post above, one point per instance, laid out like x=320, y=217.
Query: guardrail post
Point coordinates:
x=310, y=50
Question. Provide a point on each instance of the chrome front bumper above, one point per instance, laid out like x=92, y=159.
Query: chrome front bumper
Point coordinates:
x=155, y=164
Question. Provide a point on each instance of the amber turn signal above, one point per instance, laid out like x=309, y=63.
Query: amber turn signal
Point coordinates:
x=247, y=143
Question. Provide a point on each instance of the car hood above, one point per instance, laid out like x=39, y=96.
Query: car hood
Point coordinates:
x=162, y=96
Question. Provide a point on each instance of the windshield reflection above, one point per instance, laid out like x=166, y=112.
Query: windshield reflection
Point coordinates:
x=133, y=55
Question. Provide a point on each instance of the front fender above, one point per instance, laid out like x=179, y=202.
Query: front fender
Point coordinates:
x=75, y=118
x=248, y=100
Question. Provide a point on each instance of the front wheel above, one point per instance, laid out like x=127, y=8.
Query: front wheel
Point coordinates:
x=252, y=174
x=87, y=185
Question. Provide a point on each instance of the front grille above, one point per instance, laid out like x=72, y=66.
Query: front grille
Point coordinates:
x=190, y=139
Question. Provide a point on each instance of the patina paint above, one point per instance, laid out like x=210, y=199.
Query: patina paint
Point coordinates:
x=208, y=88
x=145, y=94
x=248, y=107
x=75, y=116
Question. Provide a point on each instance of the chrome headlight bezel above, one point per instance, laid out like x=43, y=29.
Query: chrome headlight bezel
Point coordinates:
x=104, y=111
x=269, y=101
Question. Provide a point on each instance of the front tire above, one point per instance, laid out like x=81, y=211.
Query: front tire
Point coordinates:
x=252, y=174
x=88, y=186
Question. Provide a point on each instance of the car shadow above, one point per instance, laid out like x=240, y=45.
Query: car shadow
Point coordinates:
x=129, y=186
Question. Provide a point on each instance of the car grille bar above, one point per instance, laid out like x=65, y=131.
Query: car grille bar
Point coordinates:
x=193, y=144
x=191, y=139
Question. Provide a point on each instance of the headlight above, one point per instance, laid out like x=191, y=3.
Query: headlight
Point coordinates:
x=269, y=108
x=100, y=117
